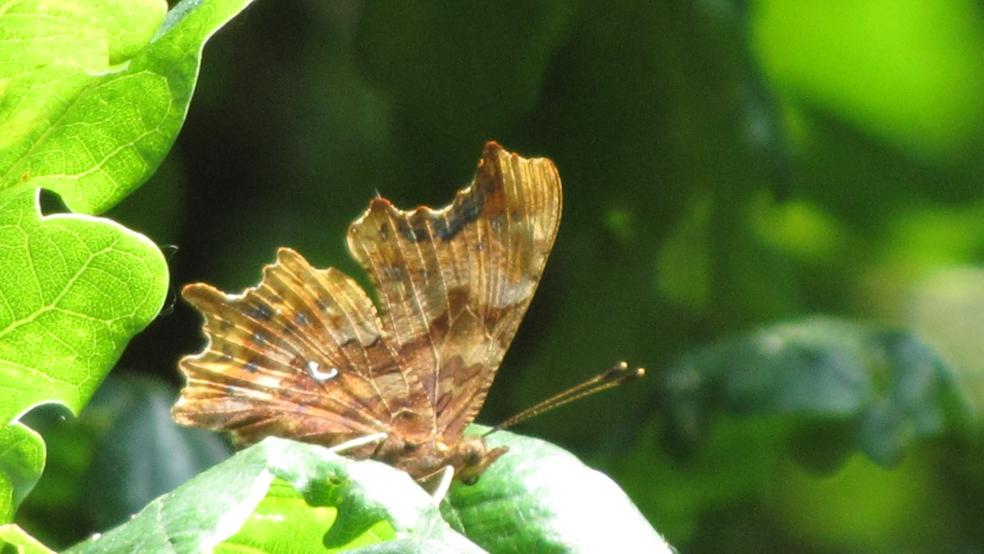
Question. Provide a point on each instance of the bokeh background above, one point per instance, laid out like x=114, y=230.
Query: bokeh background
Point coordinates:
x=732, y=170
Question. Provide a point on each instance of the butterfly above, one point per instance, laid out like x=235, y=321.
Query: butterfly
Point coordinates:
x=306, y=354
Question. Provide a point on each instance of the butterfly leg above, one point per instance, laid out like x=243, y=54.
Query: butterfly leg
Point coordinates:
x=441, y=490
x=357, y=442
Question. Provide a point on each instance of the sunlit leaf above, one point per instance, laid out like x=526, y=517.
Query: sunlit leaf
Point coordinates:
x=73, y=290
x=93, y=96
x=832, y=58
x=93, y=110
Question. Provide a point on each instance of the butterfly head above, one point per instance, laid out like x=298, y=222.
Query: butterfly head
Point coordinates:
x=471, y=457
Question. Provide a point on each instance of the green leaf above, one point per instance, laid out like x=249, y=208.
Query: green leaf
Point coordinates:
x=94, y=93
x=314, y=496
x=284, y=521
x=21, y=463
x=540, y=498
x=73, y=290
x=13, y=540
x=849, y=386
x=832, y=59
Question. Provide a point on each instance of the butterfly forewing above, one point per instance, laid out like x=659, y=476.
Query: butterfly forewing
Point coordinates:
x=455, y=283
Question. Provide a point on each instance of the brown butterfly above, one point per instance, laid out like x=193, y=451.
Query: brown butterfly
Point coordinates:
x=306, y=355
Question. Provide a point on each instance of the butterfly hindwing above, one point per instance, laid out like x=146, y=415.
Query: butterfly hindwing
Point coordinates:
x=299, y=356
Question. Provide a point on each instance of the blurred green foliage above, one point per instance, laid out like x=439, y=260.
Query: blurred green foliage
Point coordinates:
x=731, y=170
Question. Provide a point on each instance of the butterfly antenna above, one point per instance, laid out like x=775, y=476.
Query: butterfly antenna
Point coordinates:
x=612, y=377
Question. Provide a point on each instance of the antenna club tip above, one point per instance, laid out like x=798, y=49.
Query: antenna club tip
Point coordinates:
x=622, y=368
x=637, y=373
x=621, y=373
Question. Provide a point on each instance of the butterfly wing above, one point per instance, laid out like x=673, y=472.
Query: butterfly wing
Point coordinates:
x=299, y=356
x=456, y=282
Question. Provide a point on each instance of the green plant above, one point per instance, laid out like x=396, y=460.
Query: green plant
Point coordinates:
x=731, y=169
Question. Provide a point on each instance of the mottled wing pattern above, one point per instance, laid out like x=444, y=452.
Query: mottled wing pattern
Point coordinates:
x=455, y=282
x=299, y=356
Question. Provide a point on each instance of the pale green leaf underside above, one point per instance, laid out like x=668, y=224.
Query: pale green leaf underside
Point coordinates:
x=541, y=498
x=282, y=496
x=281, y=492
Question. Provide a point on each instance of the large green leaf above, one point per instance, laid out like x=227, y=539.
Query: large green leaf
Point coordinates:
x=94, y=92
x=92, y=95
x=540, y=498
x=73, y=290
x=280, y=496
x=845, y=385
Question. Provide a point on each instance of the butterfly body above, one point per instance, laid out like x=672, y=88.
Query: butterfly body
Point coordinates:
x=469, y=456
x=307, y=355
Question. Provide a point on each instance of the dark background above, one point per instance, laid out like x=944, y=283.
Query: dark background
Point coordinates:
x=726, y=165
